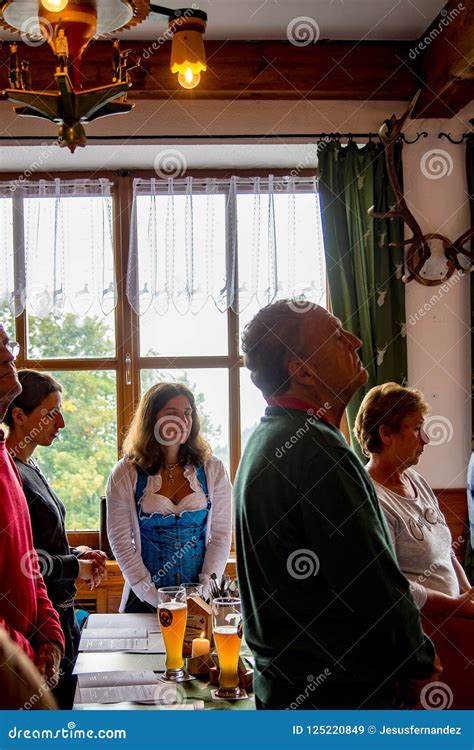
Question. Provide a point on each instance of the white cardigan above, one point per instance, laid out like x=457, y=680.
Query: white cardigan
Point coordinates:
x=124, y=531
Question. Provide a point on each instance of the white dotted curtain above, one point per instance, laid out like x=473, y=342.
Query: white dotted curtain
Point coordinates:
x=236, y=241
x=56, y=247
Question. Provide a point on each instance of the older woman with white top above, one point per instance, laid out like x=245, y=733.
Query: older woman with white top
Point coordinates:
x=389, y=428
x=168, y=500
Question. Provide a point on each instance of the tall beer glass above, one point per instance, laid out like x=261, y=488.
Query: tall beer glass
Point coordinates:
x=227, y=627
x=172, y=612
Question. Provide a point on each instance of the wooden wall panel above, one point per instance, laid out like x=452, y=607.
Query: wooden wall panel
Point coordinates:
x=453, y=503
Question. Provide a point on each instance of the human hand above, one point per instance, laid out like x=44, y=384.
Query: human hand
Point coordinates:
x=97, y=555
x=99, y=560
x=48, y=661
x=465, y=604
x=83, y=548
x=91, y=570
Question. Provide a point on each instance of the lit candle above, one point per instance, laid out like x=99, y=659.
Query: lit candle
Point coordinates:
x=201, y=646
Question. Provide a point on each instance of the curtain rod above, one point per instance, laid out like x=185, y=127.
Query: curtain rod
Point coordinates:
x=242, y=136
x=260, y=136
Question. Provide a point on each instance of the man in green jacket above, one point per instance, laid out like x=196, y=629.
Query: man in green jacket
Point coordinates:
x=327, y=613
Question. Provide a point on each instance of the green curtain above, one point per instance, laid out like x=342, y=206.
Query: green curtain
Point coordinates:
x=470, y=187
x=364, y=273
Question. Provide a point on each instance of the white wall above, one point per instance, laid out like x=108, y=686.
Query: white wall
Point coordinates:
x=439, y=337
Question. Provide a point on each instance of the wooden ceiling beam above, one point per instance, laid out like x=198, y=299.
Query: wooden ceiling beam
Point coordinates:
x=247, y=70
x=446, y=52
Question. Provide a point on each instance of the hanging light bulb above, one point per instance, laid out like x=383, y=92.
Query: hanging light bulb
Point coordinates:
x=54, y=6
x=188, y=79
x=188, y=58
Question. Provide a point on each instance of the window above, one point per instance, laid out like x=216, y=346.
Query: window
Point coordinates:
x=79, y=461
x=7, y=282
x=69, y=271
x=111, y=301
x=62, y=282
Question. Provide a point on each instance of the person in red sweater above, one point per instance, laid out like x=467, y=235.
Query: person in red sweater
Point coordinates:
x=26, y=612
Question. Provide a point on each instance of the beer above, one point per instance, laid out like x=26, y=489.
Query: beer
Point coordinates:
x=227, y=640
x=227, y=629
x=172, y=618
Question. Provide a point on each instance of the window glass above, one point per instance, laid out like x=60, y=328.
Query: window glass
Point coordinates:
x=6, y=266
x=167, y=227
x=7, y=320
x=252, y=406
x=81, y=286
x=300, y=266
x=68, y=337
x=79, y=462
x=189, y=335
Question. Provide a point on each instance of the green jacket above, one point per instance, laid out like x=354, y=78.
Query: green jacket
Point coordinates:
x=324, y=602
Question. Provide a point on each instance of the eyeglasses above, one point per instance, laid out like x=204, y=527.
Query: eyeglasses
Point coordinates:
x=13, y=347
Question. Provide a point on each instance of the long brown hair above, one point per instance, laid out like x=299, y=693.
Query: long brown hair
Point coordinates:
x=141, y=445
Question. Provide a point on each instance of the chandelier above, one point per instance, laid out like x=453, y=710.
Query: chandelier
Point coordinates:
x=69, y=26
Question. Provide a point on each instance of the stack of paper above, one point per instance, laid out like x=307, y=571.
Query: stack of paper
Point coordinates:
x=129, y=620
x=121, y=639
x=115, y=687
x=138, y=640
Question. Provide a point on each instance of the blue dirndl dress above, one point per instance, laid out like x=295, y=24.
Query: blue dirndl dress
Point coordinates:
x=173, y=546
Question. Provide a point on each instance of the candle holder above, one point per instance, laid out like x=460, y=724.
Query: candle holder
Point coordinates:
x=198, y=622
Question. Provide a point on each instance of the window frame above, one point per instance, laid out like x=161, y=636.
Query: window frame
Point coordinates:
x=127, y=320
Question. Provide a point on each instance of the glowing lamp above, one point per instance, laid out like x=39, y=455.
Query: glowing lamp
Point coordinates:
x=188, y=79
x=188, y=58
x=54, y=6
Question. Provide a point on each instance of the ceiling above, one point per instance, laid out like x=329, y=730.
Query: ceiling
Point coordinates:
x=366, y=20
x=335, y=19
x=326, y=19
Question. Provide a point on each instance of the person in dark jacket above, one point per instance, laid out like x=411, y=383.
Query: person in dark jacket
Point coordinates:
x=34, y=418
x=327, y=612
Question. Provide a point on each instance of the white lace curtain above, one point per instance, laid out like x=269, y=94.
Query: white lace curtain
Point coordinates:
x=56, y=247
x=233, y=241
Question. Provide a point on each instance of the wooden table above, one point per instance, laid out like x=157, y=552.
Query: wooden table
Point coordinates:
x=189, y=692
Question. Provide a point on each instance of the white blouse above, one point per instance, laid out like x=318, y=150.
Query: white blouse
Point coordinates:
x=153, y=502
x=421, y=538
x=124, y=530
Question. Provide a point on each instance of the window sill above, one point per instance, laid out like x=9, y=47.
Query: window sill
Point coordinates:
x=90, y=538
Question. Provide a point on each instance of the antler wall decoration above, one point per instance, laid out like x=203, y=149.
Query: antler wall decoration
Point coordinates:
x=419, y=250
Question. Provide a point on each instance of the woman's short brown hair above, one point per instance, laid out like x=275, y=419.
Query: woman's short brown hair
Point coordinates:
x=141, y=445
x=388, y=404
x=36, y=386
